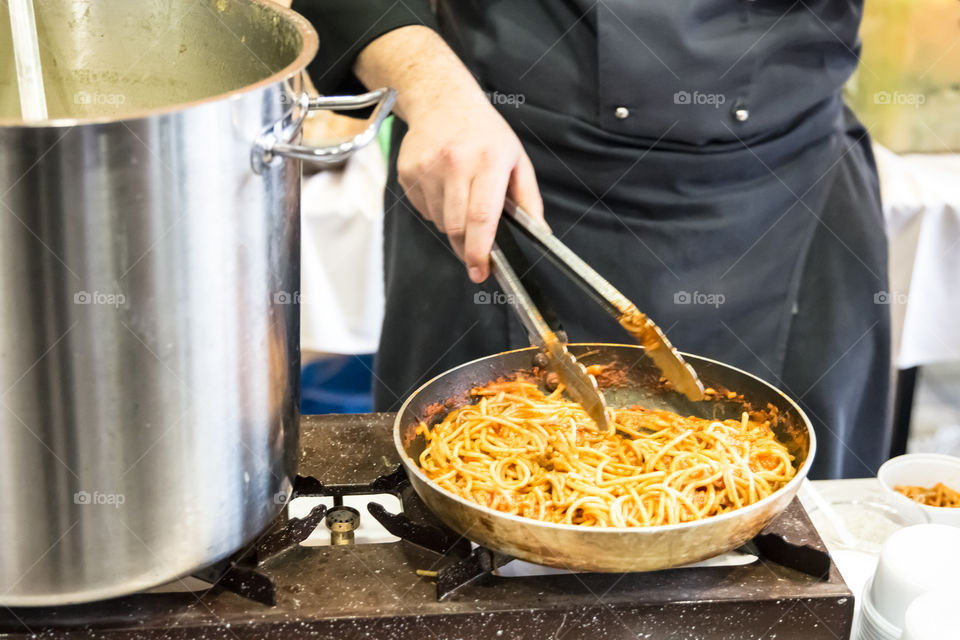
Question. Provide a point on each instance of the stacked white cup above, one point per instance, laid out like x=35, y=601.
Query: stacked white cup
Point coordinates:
x=913, y=561
x=933, y=616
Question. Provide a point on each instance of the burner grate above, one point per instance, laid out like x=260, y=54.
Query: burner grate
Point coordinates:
x=375, y=591
x=776, y=543
x=240, y=573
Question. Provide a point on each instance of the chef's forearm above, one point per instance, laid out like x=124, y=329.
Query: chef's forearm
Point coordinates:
x=416, y=62
x=459, y=158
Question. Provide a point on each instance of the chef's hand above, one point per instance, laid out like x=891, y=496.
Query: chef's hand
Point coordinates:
x=459, y=157
x=456, y=162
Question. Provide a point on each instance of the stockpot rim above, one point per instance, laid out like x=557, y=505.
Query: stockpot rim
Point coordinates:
x=308, y=50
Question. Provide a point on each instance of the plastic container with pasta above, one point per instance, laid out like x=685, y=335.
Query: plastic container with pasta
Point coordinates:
x=923, y=470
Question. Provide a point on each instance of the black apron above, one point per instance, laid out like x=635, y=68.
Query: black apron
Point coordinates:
x=698, y=154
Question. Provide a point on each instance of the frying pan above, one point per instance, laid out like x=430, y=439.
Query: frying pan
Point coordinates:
x=611, y=549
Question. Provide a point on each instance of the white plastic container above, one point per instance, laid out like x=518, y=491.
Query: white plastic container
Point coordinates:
x=871, y=625
x=912, y=562
x=933, y=616
x=925, y=470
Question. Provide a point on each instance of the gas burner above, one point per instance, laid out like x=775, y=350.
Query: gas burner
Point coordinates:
x=342, y=522
x=407, y=575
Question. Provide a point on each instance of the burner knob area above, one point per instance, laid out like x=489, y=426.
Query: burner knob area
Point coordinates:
x=342, y=521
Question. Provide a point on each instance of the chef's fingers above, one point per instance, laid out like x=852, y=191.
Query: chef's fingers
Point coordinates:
x=416, y=197
x=456, y=194
x=432, y=188
x=457, y=244
x=487, y=192
x=524, y=190
x=422, y=184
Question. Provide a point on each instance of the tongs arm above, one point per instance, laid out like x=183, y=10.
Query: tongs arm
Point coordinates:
x=672, y=365
x=517, y=295
x=580, y=385
x=572, y=265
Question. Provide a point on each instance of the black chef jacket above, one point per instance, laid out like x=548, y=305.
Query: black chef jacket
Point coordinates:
x=695, y=152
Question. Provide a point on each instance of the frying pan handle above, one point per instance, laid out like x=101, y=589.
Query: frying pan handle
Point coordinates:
x=276, y=140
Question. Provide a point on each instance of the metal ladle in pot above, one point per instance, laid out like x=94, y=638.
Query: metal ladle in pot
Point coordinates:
x=26, y=52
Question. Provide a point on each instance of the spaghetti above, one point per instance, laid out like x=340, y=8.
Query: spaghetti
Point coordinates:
x=939, y=495
x=521, y=451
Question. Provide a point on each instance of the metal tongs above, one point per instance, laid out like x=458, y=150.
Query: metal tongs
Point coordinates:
x=580, y=385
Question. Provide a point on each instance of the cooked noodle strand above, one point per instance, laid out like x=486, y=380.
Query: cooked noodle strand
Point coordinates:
x=520, y=451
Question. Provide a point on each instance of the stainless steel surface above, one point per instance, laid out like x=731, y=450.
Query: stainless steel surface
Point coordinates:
x=580, y=385
x=671, y=364
x=26, y=54
x=665, y=356
x=114, y=58
x=272, y=143
x=607, y=549
x=149, y=304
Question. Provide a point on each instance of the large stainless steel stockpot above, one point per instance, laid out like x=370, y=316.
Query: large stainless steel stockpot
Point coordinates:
x=149, y=277
x=615, y=549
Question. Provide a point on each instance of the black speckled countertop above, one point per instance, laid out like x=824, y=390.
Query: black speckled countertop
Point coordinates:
x=372, y=591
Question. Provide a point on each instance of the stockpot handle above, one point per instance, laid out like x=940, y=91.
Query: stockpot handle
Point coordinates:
x=275, y=139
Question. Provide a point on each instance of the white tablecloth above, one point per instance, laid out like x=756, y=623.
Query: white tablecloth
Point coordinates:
x=341, y=305
x=921, y=202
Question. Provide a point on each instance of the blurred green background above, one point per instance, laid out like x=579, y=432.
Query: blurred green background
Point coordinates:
x=907, y=87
